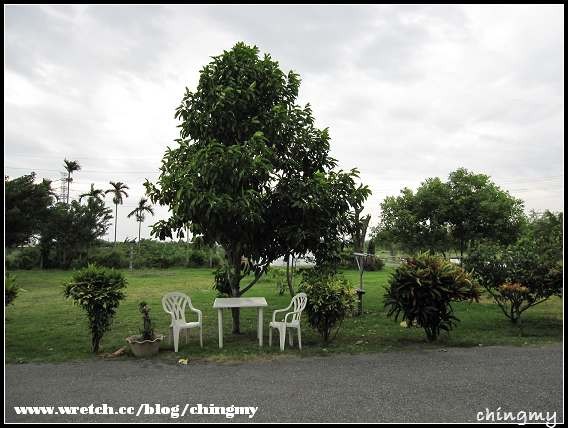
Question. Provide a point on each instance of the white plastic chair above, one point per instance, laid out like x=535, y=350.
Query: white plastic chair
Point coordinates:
x=175, y=304
x=290, y=320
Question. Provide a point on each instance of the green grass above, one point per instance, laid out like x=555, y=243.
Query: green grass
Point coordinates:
x=42, y=326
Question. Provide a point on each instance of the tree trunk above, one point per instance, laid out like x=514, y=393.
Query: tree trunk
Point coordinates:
x=187, y=249
x=115, y=221
x=236, y=314
x=234, y=258
x=68, y=186
x=290, y=274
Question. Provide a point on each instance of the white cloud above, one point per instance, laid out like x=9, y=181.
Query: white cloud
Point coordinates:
x=408, y=92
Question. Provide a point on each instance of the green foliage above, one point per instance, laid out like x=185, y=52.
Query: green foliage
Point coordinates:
x=331, y=298
x=110, y=257
x=99, y=292
x=140, y=213
x=26, y=208
x=478, y=209
x=147, y=331
x=22, y=258
x=93, y=193
x=70, y=230
x=468, y=208
x=535, y=274
x=251, y=171
x=70, y=167
x=279, y=277
x=11, y=289
x=546, y=231
x=221, y=282
x=416, y=221
x=148, y=254
x=422, y=290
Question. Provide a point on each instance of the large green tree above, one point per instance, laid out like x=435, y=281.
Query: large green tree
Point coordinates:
x=441, y=215
x=478, y=209
x=251, y=170
x=27, y=206
x=71, y=229
x=416, y=221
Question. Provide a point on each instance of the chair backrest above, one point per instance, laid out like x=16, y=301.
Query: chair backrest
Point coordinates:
x=175, y=303
x=299, y=301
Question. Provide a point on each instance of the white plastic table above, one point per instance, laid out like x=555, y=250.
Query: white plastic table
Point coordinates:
x=239, y=302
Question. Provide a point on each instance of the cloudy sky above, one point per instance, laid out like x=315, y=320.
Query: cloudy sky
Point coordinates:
x=408, y=92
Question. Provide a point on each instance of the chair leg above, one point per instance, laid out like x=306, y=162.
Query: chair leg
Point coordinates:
x=269, y=336
x=299, y=339
x=290, y=338
x=201, y=335
x=282, y=338
x=176, y=338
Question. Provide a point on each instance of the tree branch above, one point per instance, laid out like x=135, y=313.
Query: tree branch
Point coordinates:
x=254, y=281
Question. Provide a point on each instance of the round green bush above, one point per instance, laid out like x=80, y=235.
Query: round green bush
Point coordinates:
x=98, y=291
x=422, y=290
x=330, y=299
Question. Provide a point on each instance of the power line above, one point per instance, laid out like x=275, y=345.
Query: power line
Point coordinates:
x=84, y=170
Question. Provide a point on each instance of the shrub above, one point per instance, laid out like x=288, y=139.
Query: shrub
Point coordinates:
x=99, y=292
x=11, y=289
x=23, y=258
x=330, y=299
x=197, y=259
x=518, y=276
x=109, y=257
x=422, y=289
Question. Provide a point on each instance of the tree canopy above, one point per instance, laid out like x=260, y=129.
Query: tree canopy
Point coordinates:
x=70, y=229
x=27, y=205
x=441, y=215
x=251, y=171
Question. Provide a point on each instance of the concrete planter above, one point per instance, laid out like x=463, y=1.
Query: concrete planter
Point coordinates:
x=144, y=348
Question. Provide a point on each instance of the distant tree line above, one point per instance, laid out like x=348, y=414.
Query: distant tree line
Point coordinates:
x=63, y=231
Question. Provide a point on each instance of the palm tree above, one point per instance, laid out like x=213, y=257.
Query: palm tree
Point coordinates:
x=139, y=213
x=117, y=190
x=70, y=167
x=93, y=193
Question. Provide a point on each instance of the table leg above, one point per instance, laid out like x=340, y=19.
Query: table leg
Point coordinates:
x=260, y=322
x=220, y=317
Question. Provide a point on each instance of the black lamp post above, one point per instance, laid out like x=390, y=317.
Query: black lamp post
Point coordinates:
x=360, y=258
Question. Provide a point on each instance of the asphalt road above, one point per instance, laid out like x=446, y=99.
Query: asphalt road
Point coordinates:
x=412, y=386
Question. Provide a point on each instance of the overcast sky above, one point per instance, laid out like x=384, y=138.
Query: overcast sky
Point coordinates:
x=408, y=92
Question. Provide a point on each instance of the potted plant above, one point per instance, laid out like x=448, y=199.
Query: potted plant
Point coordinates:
x=147, y=344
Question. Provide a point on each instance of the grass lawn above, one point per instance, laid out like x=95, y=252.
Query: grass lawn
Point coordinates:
x=42, y=326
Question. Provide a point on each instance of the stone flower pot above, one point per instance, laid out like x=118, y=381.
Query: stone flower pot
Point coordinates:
x=144, y=348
